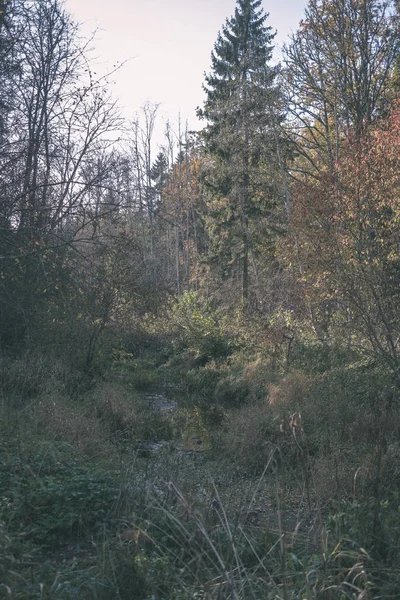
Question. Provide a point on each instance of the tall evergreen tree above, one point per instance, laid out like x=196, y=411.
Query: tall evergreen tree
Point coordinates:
x=159, y=176
x=240, y=135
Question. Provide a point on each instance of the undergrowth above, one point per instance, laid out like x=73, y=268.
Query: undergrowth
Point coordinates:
x=266, y=481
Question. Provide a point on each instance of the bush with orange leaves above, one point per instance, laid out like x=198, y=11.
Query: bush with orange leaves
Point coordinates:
x=345, y=227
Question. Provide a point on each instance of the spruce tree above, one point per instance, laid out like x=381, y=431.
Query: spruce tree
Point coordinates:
x=240, y=135
x=159, y=176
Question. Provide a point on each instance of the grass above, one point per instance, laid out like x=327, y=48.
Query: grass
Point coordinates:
x=270, y=504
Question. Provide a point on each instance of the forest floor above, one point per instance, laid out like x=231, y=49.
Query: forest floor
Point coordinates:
x=127, y=493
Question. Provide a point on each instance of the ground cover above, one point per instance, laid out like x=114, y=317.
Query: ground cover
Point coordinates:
x=163, y=490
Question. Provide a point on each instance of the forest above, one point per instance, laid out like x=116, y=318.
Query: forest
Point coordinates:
x=200, y=336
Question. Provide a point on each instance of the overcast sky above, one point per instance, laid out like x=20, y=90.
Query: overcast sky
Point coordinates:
x=169, y=43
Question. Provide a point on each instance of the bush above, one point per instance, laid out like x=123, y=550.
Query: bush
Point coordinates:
x=244, y=381
x=141, y=374
x=230, y=383
x=34, y=373
x=313, y=357
x=198, y=327
x=125, y=416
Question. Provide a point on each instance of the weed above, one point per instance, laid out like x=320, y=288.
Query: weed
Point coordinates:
x=55, y=502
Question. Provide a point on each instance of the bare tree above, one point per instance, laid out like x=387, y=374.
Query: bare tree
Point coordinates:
x=337, y=70
x=59, y=117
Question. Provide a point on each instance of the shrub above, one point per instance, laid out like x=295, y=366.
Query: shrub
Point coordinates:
x=125, y=416
x=34, y=373
x=31, y=374
x=315, y=357
x=244, y=381
x=227, y=384
x=344, y=420
x=141, y=374
x=198, y=327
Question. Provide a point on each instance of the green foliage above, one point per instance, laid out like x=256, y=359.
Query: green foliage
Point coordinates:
x=55, y=502
x=90, y=506
x=126, y=417
x=26, y=377
x=140, y=373
x=229, y=383
x=148, y=337
x=371, y=524
x=52, y=499
x=241, y=113
x=26, y=573
x=199, y=327
x=355, y=418
x=311, y=357
x=188, y=550
x=36, y=373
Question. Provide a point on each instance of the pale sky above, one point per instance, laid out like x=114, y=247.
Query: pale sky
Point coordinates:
x=169, y=43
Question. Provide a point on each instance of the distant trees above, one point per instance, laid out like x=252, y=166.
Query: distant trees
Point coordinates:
x=240, y=142
x=182, y=216
x=91, y=229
